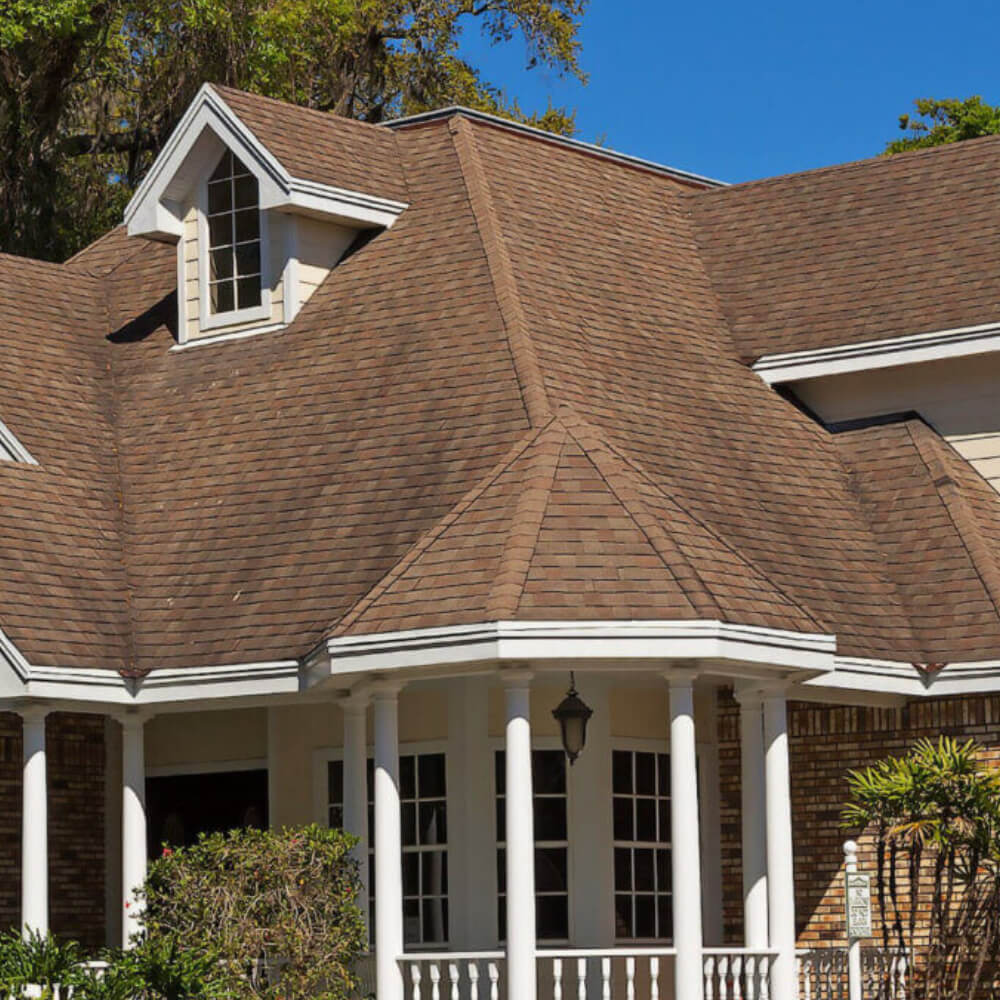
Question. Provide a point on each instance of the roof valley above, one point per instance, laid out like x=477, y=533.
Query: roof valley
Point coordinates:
x=522, y=350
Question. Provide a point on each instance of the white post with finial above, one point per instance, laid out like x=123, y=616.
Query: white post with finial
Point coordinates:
x=853, y=940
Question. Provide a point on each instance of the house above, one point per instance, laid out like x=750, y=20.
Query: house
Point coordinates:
x=325, y=475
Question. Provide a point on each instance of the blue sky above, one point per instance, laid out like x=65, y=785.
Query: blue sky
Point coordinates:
x=744, y=90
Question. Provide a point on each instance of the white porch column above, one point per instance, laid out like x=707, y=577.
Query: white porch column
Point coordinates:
x=753, y=813
x=388, y=847
x=780, y=875
x=520, y=837
x=685, y=856
x=710, y=818
x=34, y=824
x=133, y=821
x=356, y=786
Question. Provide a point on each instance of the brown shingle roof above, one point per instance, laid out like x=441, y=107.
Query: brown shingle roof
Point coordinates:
x=521, y=401
x=865, y=251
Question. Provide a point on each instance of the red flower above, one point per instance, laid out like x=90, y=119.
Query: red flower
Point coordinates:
x=127, y=905
x=166, y=852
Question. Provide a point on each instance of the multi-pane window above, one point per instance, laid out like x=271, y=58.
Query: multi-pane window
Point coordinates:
x=424, y=816
x=548, y=775
x=234, y=271
x=641, y=818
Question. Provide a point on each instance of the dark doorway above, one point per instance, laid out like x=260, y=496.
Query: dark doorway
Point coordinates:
x=181, y=806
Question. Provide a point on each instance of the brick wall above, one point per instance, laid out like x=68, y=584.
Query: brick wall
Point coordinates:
x=75, y=748
x=824, y=743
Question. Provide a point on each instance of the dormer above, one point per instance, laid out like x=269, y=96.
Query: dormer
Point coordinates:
x=248, y=191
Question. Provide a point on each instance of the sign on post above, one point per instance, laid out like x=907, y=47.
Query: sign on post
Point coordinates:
x=859, y=905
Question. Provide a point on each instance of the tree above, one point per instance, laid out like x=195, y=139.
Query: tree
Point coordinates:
x=935, y=816
x=91, y=89
x=940, y=122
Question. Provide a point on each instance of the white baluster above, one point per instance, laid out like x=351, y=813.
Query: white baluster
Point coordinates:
x=654, y=977
x=737, y=963
x=493, y=971
x=581, y=979
x=453, y=977
x=605, y=979
x=473, y=972
x=435, y=971
x=629, y=978
x=723, y=977
x=751, y=970
x=709, y=971
x=557, y=979
x=415, y=981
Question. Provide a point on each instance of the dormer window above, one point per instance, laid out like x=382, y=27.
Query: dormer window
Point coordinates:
x=234, y=245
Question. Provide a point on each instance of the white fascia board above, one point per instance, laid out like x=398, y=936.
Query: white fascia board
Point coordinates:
x=10, y=445
x=208, y=125
x=538, y=641
x=796, y=366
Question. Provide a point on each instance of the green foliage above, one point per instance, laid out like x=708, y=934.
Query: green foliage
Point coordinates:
x=40, y=960
x=277, y=906
x=91, y=89
x=938, y=123
x=935, y=814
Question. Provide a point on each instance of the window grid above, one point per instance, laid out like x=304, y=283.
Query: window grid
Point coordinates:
x=234, y=247
x=642, y=863
x=550, y=810
x=423, y=809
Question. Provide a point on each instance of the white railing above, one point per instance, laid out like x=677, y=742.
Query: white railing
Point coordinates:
x=737, y=973
x=453, y=975
x=605, y=974
x=823, y=974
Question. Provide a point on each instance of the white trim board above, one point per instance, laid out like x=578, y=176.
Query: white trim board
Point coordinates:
x=206, y=767
x=208, y=126
x=961, y=342
x=11, y=448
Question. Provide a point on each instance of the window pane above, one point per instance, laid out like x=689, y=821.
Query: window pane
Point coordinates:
x=336, y=818
x=621, y=769
x=663, y=767
x=225, y=167
x=548, y=772
x=665, y=914
x=644, y=869
x=550, y=819
x=411, y=874
x=247, y=225
x=220, y=230
x=433, y=827
x=407, y=777
x=645, y=916
x=501, y=871
x=220, y=197
x=249, y=292
x=409, y=819
x=222, y=297
x=645, y=774
x=370, y=776
x=663, y=805
x=550, y=869
x=664, y=874
x=501, y=819
x=645, y=820
x=435, y=920
x=246, y=192
x=335, y=782
x=502, y=917
x=434, y=873
x=623, y=916
x=411, y=921
x=624, y=828
x=500, y=772
x=432, y=776
x=623, y=869
x=248, y=259
x=220, y=264
x=552, y=916
x=238, y=166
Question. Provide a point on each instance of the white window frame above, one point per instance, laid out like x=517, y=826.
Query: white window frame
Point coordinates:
x=324, y=757
x=207, y=320
x=635, y=745
x=540, y=743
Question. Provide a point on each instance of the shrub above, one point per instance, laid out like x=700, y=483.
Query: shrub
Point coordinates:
x=36, y=960
x=277, y=908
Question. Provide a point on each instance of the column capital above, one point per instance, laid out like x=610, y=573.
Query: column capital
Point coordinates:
x=516, y=676
x=33, y=711
x=355, y=702
x=385, y=688
x=133, y=718
x=681, y=676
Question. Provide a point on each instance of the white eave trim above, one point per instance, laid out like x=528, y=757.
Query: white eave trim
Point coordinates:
x=792, y=652
x=9, y=445
x=795, y=366
x=153, y=212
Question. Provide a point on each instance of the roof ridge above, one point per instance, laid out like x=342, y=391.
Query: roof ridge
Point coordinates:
x=433, y=533
x=525, y=527
x=512, y=313
x=928, y=445
x=629, y=466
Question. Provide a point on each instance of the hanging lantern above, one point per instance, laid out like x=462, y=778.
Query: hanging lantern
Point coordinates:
x=573, y=714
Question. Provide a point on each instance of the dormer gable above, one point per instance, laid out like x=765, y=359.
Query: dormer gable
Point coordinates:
x=254, y=239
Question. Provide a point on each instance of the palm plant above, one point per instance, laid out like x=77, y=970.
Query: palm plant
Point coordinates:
x=935, y=816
